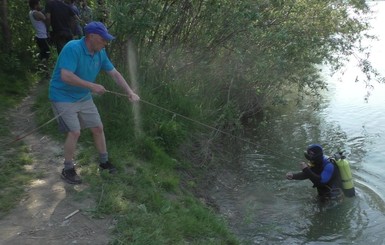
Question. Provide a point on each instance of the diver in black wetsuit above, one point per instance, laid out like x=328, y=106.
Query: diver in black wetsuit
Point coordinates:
x=322, y=173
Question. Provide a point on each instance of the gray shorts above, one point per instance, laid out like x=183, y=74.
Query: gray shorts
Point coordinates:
x=75, y=116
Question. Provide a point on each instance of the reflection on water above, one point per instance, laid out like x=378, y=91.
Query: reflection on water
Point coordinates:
x=265, y=208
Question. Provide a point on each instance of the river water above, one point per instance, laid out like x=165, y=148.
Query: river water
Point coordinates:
x=262, y=207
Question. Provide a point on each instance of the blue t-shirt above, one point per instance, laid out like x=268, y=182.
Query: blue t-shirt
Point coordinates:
x=76, y=58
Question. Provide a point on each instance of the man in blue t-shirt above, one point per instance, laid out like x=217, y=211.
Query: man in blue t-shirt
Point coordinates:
x=70, y=92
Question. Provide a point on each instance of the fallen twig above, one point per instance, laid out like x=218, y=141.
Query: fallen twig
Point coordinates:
x=72, y=214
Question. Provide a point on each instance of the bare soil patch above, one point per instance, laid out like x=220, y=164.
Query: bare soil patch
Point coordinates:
x=40, y=217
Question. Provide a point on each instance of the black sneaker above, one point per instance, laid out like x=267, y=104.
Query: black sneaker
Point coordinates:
x=108, y=166
x=71, y=176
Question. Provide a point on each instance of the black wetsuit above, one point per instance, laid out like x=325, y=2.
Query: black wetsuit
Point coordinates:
x=325, y=177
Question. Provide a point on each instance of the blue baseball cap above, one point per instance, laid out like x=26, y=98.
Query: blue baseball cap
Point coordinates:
x=97, y=27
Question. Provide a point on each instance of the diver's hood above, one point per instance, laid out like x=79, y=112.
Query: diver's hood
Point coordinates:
x=313, y=152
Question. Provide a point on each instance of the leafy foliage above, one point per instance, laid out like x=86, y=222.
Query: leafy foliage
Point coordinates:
x=250, y=53
x=15, y=56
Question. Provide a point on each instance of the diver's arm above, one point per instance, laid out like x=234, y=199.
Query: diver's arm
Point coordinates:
x=297, y=176
x=324, y=178
x=315, y=178
x=300, y=176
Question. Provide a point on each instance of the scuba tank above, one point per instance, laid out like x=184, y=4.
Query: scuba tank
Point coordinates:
x=346, y=174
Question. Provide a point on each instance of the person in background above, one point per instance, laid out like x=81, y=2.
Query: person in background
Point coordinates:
x=61, y=18
x=41, y=35
x=321, y=172
x=77, y=30
x=86, y=15
x=70, y=92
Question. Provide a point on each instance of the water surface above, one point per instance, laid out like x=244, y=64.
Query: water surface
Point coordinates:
x=265, y=208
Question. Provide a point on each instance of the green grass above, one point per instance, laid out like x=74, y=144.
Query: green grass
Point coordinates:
x=14, y=156
x=145, y=196
x=14, y=178
x=147, y=201
x=13, y=159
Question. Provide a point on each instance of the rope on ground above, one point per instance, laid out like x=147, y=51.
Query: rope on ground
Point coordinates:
x=20, y=137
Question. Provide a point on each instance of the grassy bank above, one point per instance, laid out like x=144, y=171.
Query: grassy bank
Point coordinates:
x=149, y=199
x=14, y=156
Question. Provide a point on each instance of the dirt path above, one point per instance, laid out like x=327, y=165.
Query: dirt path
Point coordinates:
x=40, y=217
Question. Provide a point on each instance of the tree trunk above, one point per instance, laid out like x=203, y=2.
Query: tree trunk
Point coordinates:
x=6, y=47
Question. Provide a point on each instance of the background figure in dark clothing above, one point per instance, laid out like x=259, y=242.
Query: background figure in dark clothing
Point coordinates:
x=61, y=18
x=321, y=172
x=77, y=30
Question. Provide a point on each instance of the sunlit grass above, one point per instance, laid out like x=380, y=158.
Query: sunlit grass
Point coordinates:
x=14, y=176
x=146, y=199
